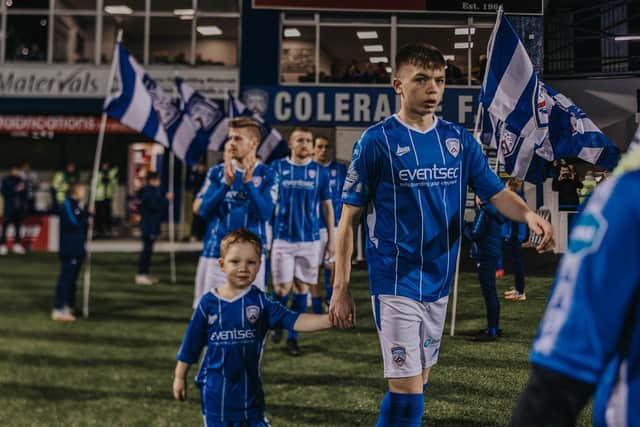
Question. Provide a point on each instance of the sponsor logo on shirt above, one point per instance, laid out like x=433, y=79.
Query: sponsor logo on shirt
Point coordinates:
x=587, y=234
x=399, y=355
x=401, y=151
x=252, y=312
x=453, y=145
x=232, y=335
x=429, y=177
x=298, y=183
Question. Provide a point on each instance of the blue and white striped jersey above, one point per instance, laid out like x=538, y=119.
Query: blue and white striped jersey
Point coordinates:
x=302, y=188
x=337, y=173
x=414, y=185
x=591, y=327
x=226, y=208
x=234, y=332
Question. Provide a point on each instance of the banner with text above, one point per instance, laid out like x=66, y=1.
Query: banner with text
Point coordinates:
x=347, y=106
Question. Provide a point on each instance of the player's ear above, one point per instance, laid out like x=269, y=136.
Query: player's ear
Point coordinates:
x=397, y=85
x=221, y=262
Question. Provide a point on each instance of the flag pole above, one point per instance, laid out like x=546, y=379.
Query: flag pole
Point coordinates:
x=476, y=127
x=94, y=182
x=172, y=222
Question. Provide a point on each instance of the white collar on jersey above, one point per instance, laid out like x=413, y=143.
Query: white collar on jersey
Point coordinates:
x=299, y=164
x=432, y=127
x=214, y=291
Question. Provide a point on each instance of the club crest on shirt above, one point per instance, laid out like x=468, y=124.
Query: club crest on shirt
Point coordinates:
x=252, y=312
x=399, y=355
x=311, y=173
x=453, y=145
x=334, y=172
x=212, y=319
x=257, y=180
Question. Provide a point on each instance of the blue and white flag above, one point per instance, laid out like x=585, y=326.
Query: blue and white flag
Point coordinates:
x=211, y=122
x=530, y=122
x=142, y=105
x=272, y=145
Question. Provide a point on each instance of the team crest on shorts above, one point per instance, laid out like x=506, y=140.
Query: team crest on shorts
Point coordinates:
x=453, y=145
x=257, y=180
x=399, y=355
x=252, y=312
x=311, y=173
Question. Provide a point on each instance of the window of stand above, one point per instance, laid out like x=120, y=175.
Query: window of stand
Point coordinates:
x=362, y=53
x=178, y=31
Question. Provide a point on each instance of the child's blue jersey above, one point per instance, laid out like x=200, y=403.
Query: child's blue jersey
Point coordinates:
x=226, y=208
x=302, y=189
x=414, y=185
x=234, y=332
x=337, y=173
x=591, y=328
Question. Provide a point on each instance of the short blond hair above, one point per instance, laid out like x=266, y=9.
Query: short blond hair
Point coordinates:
x=241, y=235
x=246, y=123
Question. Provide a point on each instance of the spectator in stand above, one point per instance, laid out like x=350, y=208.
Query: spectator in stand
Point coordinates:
x=107, y=182
x=353, y=73
x=567, y=186
x=195, y=181
x=588, y=185
x=31, y=184
x=61, y=182
x=15, y=203
x=453, y=73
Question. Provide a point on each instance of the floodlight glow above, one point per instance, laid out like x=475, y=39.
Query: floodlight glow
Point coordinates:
x=292, y=32
x=630, y=37
x=183, y=12
x=464, y=31
x=367, y=35
x=373, y=48
x=118, y=10
x=462, y=45
x=377, y=59
x=209, y=30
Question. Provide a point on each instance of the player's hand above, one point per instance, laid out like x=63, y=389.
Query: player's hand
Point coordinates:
x=169, y=196
x=179, y=389
x=229, y=172
x=342, y=309
x=330, y=253
x=249, y=166
x=542, y=228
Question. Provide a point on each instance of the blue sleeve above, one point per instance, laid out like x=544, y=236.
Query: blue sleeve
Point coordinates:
x=594, y=287
x=266, y=197
x=484, y=181
x=213, y=196
x=194, y=338
x=363, y=173
x=279, y=315
x=323, y=182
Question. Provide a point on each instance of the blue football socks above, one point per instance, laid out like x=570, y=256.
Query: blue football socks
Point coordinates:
x=316, y=304
x=401, y=410
x=299, y=305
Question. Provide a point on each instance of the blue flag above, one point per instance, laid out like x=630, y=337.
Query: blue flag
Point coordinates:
x=210, y=120
x=143, y=106
x=530, y=122
x=272, y=145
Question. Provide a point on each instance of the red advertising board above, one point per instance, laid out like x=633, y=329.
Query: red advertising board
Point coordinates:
x=34, y=233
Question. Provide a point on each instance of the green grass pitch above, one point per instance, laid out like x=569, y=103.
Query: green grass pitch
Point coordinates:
x=116, y=368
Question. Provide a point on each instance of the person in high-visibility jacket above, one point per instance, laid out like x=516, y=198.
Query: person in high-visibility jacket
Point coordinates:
x=61, y=182
x=107, y=182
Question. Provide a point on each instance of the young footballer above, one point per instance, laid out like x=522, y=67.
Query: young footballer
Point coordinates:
x=73, y=236
x=410, y=172
x=239, y=193
x=232, y=321
x=304, y=195
x=322, y=152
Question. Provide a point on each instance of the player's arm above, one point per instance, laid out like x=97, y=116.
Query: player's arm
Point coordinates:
x=513, y=207
x=265, y=199
x=194, y=340
x=213, y=197
x=550, y=399
x=342, y=308
x=180, y=380
x=307, y=322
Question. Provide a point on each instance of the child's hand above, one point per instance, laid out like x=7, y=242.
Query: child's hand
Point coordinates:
x=179, y=389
